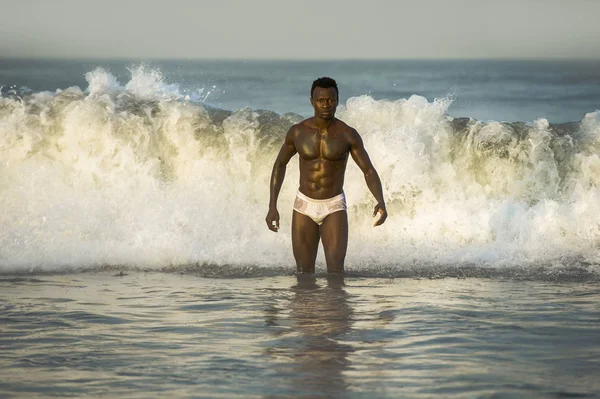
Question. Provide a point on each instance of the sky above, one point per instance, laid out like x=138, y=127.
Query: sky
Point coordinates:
x=302, y=29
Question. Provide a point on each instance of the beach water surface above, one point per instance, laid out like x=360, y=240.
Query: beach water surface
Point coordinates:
x=144, y=335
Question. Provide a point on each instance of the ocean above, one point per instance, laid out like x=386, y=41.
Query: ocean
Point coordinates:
x=135, y=261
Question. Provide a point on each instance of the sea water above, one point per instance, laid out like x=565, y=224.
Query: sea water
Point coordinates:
x=135, y=260
x=179, y=335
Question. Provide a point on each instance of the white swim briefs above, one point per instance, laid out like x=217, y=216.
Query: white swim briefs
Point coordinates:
x=317, y=209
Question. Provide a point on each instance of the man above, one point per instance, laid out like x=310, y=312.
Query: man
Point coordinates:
x=323, y=143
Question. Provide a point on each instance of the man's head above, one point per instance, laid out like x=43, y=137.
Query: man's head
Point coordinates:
x=324, y=83
x=324, y=97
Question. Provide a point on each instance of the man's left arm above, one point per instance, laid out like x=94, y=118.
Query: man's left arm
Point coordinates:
x=360, y=156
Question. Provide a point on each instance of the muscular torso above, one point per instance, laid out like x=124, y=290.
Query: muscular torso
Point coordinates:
x=323, y=157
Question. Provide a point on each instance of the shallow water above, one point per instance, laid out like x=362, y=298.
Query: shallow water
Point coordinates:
x=154, y=334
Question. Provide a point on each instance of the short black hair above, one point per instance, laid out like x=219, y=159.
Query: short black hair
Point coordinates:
x=324, y=83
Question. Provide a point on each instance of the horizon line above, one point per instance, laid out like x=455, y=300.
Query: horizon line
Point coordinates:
x=257, y=59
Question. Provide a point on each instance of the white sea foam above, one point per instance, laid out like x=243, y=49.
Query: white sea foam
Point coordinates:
x=101, y=82
x=131, y=175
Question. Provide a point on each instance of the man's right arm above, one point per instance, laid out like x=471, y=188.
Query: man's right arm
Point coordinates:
x=360, y=156
x=287, y=151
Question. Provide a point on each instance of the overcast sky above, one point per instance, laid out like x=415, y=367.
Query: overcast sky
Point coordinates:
x=304, y=29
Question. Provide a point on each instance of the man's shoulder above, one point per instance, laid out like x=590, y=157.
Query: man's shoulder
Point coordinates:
x=343, y=126
x=350, y=133
x=306, y=123
x=346, y=130
x=302, y=126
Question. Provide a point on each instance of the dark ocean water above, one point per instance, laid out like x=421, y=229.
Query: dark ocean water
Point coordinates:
x=500, y=90
x=134, y=259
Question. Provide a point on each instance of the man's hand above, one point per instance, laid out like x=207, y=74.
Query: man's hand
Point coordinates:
x=272, y=220
x=380, y=209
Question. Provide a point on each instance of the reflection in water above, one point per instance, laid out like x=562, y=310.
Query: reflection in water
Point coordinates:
x=317, y=319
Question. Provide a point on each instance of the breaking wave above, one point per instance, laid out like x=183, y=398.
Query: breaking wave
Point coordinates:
x=140, y=176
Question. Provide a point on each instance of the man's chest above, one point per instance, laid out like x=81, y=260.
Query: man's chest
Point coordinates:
x=332, y=146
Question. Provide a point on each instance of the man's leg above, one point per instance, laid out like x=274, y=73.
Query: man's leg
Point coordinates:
x=305, y=242
x=334, y=233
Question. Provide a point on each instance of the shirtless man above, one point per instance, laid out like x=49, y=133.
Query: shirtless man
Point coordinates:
x=323, y=143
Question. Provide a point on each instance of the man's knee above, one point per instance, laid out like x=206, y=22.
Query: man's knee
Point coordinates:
x=335, y=260
x=334, y=253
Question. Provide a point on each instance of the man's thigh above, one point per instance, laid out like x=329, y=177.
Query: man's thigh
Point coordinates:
x=334, y=234
x=305, y=241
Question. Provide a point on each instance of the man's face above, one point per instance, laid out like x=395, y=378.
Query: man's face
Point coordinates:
x=324, y=102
